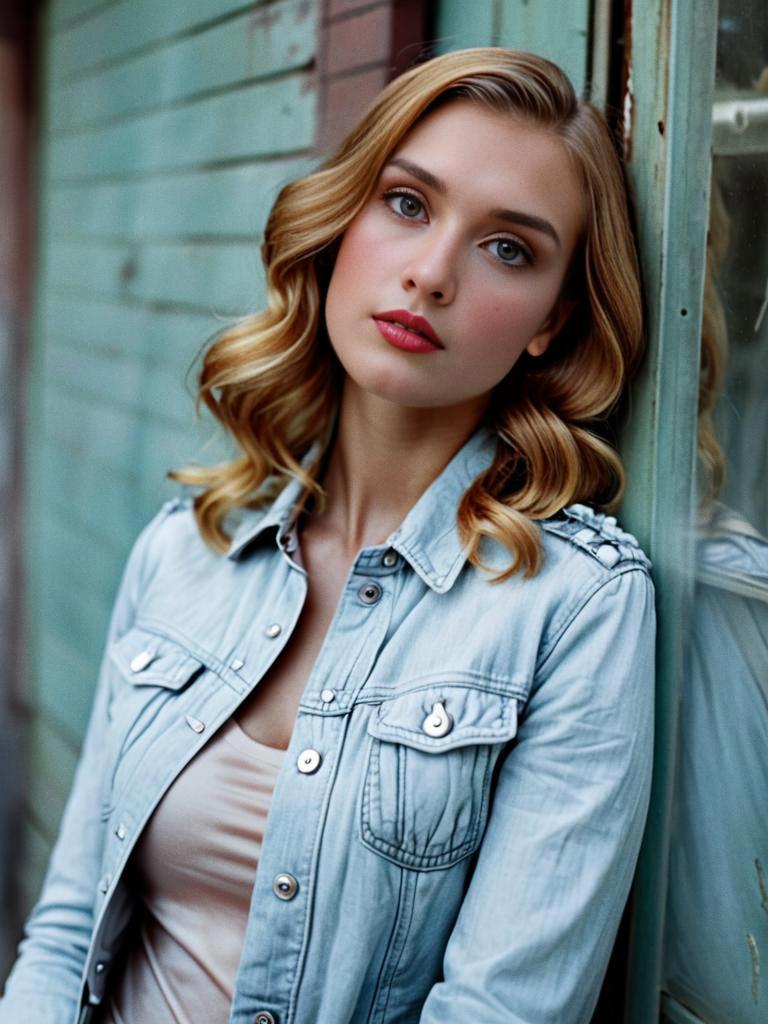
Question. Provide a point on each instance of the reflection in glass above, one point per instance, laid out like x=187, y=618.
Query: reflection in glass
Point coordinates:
x=716, y=940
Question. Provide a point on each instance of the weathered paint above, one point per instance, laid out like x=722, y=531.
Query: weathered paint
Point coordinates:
x=221, y=203
x=119, y=30
x=754, y=955
x=552, y=29
x=168, y=130
x=218, y=128
x=547, y=27
x=67, y=12
x=599, y=51
x=224, y=278
x=672, y=57
x=193, y=65
x=459, y=24
x=761, y=884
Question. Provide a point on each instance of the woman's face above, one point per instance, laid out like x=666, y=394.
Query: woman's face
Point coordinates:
x=471, y=227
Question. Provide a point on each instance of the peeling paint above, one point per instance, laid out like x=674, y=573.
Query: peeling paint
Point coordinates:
x=754, y=952
x=263, y=18
x=759, y=867
x=626, y=82
x=627, y=115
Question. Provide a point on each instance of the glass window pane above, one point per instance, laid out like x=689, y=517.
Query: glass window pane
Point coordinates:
x=716, y=944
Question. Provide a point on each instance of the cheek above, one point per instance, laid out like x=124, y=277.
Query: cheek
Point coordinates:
x=352, y=273
x=344, y=277
x=512, y=313
x=504, y=324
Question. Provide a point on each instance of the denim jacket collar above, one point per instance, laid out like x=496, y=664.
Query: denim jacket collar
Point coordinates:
x=428, y=538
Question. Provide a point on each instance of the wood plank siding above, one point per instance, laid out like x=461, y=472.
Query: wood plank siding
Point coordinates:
x=168, y=130
x=166, y=134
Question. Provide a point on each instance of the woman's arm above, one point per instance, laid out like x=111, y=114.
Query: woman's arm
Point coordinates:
x=536, y=927
x=44, y=986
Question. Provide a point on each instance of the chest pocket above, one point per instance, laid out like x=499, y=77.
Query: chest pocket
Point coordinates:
x=151, y=671
x=430, y=762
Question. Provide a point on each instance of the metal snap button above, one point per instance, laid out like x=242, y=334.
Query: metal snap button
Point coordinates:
x=285, y=886
x=265, y=1017
x=308, y=761
x=140, y=661
x=327, y=696
x=120, y=831
x=438, y=722
x=608, y=555
x=390, y=558
x=369, y=593
x=274, y=630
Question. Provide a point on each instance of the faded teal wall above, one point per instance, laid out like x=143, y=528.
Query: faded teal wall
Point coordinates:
x=168, y=129
x=551, y=28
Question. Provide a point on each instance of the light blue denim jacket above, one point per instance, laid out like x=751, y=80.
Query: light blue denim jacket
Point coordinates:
x=463, y=851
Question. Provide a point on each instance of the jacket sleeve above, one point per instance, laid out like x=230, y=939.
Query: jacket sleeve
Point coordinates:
x=535, y=930
x=44, y=985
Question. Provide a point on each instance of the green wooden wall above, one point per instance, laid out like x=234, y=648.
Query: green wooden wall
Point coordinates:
x=551, y=28
x=167, y=130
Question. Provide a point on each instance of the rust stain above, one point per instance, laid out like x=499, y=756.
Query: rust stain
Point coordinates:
x=761, y=884
x=660, y=126
x=754, y=952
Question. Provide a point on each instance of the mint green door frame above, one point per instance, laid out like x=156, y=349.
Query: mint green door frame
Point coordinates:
x=668, y=133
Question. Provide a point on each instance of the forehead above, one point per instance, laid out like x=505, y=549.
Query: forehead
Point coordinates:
x=501, y=159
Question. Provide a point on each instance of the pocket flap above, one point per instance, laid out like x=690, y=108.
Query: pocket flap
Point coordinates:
x=445, y=716
x=148, y=659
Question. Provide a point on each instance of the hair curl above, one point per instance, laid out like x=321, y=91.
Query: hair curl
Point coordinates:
x=273, y=380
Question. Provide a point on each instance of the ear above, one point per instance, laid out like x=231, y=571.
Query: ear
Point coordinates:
x=552, y=326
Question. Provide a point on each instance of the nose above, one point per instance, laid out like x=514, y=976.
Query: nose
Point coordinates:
x=430, y=271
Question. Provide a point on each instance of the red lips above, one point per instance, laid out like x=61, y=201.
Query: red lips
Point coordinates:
x=411, y=322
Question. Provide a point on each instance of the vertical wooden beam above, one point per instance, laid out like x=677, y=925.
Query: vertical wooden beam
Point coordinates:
x=667, y=105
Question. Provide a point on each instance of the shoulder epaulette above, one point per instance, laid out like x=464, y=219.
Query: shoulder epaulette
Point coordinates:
x=597, y=534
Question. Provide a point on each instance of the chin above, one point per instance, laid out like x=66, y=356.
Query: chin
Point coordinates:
x=401, y=385
x=409, y=394
x=403, y=394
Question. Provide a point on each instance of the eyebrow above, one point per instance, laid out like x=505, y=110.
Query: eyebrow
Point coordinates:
x=419, y=172
x=513, y=216
x=529, y=220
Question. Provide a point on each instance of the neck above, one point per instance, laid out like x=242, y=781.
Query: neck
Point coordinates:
x=383, y=459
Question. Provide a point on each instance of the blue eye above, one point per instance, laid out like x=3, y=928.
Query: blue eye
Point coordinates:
x=511, y=252
x=404, y=204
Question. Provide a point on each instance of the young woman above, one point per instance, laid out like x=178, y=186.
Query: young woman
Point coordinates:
x=390, y=623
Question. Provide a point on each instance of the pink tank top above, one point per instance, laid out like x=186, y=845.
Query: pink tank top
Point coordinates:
x=196, y=864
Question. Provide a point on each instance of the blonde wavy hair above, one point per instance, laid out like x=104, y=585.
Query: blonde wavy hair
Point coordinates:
x=274, y=382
